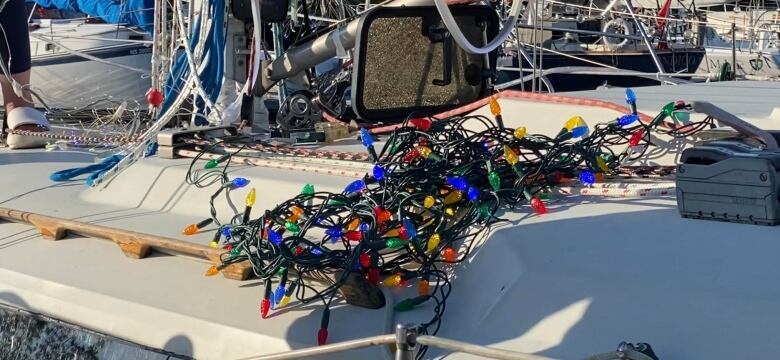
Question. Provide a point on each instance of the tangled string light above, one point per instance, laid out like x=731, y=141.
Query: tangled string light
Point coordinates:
x=435, y=187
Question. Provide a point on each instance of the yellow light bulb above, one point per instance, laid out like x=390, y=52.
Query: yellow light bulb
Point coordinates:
x=393, y=232
x=510, y=155
x=394, y=280
x=282, y=303
x=573, y=122
x=602, y=164
x=424, y=151
x=520, y=132
x=495, y=108
x=449, y=211
x=429, y=201
x=353, y=225
x=212, y=271
x=250, y=198
x=453, y=197
x=213, y=245
x=433, y=242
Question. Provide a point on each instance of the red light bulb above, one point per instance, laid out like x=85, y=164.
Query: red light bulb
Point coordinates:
x=265, y=305
x=354, y=235
x=423, y=124
x=422, y=141
x=411, y=155
x=636, y=137
x=538, y=205
x=154, y=97
x=365, y=260
x=403, y=234
x=322, y=336
x=298, y=250
x=373, y=276
x=382, y=215
x=450, y=254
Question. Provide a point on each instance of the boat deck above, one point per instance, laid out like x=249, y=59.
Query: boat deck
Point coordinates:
x=571, y=283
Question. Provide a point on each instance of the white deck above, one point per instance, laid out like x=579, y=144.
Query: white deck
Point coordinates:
x=568, y=284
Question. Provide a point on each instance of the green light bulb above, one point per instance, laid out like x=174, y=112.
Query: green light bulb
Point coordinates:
x=394, y=243
x=292, y=227
x=484, y=212
x=668, y=109
x=405, y=305
x=308, y=189
x=234, y=252
x=495, y=180
x=211, y=164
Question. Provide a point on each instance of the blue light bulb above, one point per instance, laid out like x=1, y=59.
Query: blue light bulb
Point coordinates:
x=334, y=232
x=274, y=237
x=364, y=227
x=630, y=96
x=458, y=183
x=355, y=186
x=239, y=182
x=226, y=232
x=411, y=231
x=379, y=173
x=587, y=177
x=366, y=138
x=579, y=131
x=472, y=193
x=316, y=251
x=279, y=294
x=627, y=119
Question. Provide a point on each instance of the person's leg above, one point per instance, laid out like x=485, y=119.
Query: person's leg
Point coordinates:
x=10, y=99
x=15, y=55
x=15, y=52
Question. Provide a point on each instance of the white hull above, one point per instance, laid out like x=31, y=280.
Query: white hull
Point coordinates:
x=67, y=75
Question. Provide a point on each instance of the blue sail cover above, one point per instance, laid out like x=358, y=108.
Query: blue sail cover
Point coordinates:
x=138, y=13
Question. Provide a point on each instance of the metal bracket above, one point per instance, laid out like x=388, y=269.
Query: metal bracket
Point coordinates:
x=736, y=123
x=169, y=140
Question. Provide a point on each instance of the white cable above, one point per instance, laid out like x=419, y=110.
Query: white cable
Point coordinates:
x=191, y=60
x=460, y=39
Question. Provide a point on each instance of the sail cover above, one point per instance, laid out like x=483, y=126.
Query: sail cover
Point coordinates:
x=128, y=12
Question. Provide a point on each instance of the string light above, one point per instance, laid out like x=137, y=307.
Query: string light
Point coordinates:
x=627, y=119
x=519, y=133
x=422, y=124
x=239, y=182
x=457, y=183
x=587, y=177
x=193, y=229
x=378, y=172
x=355, y=186
x=415, y=217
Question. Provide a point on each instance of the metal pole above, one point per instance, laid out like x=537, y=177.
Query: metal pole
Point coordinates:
x=478, y=350
x=733, y=51
x=278, y=35
x=644, y=36
x=405, y=338
x=328, y=349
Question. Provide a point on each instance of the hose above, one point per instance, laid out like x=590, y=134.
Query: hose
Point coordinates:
x=460, y=39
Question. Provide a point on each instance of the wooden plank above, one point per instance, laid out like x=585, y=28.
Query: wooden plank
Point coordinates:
x=356, y=290
x=133, y=244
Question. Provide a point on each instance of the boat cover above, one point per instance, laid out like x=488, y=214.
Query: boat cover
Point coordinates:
x=129, y=12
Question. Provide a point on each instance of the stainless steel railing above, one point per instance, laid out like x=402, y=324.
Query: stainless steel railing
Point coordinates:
x=406, y=340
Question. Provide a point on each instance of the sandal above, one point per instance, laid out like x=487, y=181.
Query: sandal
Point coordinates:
x=26, y=116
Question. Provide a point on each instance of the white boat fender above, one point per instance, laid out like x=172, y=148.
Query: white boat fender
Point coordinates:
x=617, y=26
